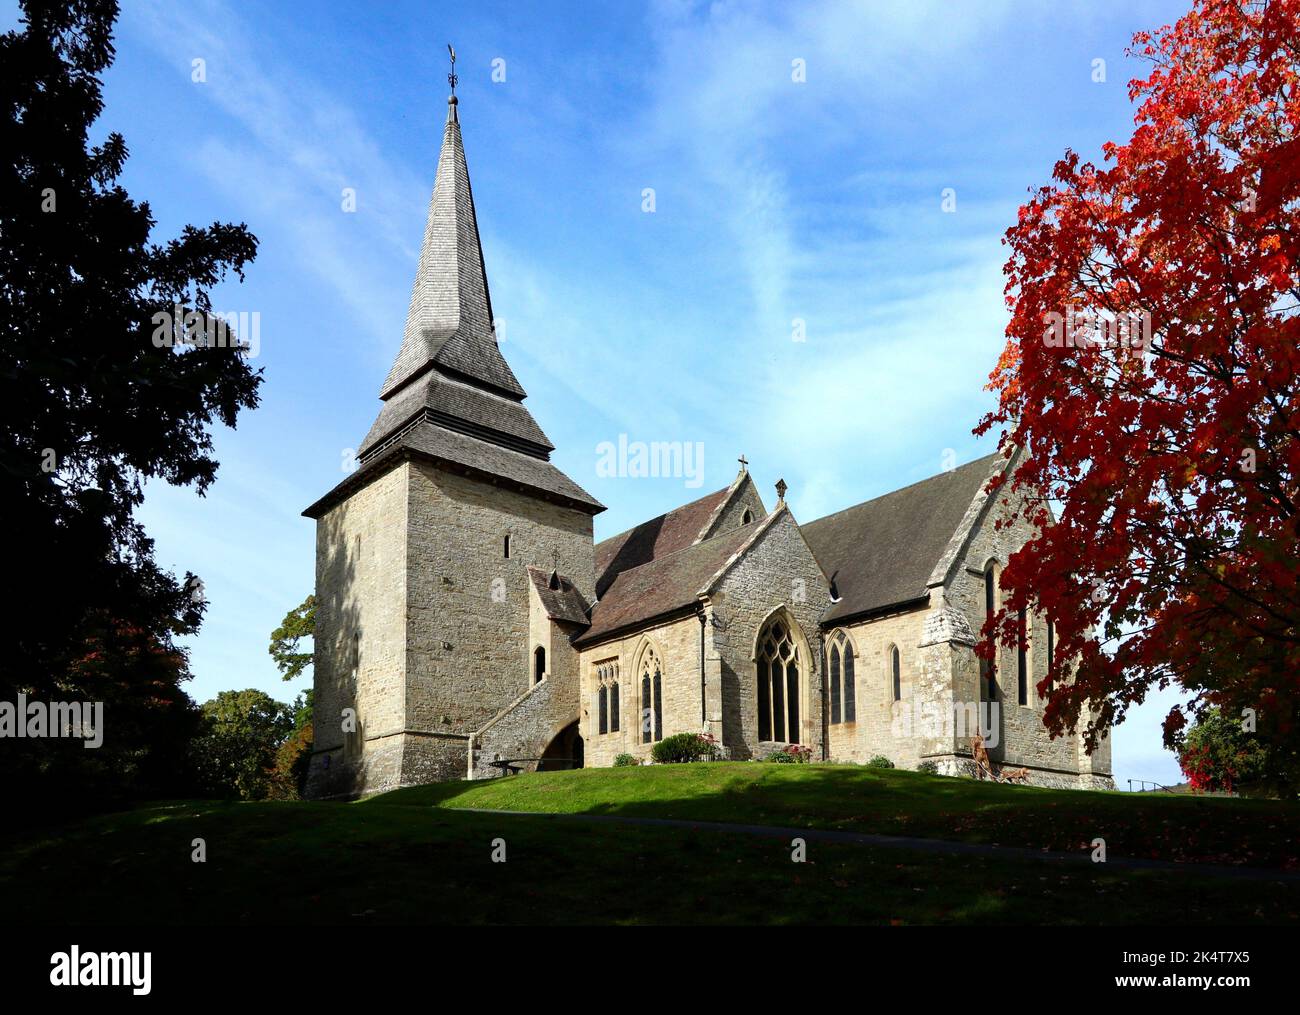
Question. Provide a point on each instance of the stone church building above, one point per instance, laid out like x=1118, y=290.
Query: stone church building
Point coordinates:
x=465, y=615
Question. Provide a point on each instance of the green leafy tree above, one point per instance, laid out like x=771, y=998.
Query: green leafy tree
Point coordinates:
x=302, y=706
x=236, y=752
x=289, y=774
x=1219, y=755
x=286, y=640
x=96, y=396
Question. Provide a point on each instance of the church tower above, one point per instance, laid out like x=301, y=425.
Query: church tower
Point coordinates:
x=447, y=563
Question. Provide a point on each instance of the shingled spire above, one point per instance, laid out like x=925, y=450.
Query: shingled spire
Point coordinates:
x=449, y=367
x=451, y=399
x=449, y=321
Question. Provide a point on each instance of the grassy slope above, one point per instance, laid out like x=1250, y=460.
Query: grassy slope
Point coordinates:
x=891, y=802
x=397, y=859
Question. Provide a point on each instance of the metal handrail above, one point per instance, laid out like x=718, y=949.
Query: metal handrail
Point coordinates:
x=1144, y=783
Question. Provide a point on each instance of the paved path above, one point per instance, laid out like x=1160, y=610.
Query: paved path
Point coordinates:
x=946, y=846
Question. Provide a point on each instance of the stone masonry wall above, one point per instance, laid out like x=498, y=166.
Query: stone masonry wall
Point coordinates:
x=470, y=640
x=360, y=643
x=677, y=644
x=416, y=597
x=526, y=727
x=875, y=732
x=1023, y=738
x=521, y=731
x=556, y=637
x=778, y=572
x=733, y=515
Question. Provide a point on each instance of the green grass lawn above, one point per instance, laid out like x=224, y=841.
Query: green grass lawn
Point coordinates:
x=1179, y=828
x=397, y=859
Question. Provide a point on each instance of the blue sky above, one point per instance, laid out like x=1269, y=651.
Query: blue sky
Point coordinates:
x=775, y=200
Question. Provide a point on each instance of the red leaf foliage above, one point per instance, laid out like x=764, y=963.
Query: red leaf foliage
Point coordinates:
x=1150, y=378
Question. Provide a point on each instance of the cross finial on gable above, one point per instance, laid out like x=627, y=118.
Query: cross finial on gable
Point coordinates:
x=744, y=462
x=781, y=489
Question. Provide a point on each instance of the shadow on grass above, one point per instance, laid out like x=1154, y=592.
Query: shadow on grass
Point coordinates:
x=356, y=865
x=1259, y=833
x=414, y=857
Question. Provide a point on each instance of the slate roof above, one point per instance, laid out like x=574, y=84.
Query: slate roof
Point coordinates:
x=881, y=553
x=470, y=456
x=564, y=603
x=655, y=538
x=462, y=407
x=665, y=585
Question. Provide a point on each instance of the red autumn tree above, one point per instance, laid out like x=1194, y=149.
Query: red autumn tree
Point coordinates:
x=1150, y=376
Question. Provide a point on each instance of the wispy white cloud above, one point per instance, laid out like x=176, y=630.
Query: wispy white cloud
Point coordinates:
x=294, y=149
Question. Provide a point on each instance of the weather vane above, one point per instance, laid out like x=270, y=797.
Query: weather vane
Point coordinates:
x=451, y=78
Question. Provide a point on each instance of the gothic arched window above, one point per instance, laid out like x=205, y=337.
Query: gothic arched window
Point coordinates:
x=652, y=712
x=988, y=670
x=779, y=683
x=1022, y=658
x=835, y=684
x=747, y=517
x=1051, y=650
x=843, y=684
x=850, y=684
x=539, y=664
x=896, y=672
x=844, y=690
x=607, y=696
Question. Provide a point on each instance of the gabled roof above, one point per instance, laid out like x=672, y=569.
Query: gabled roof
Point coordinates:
x=691, y=523
x=881, y=554
x=668, y=584
x=674, y=582
x=561, y=602
x=668, y=533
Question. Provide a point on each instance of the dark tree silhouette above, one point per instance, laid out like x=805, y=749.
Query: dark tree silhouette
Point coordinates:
x=92, y=401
